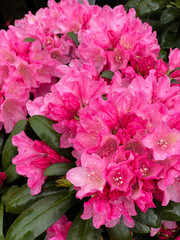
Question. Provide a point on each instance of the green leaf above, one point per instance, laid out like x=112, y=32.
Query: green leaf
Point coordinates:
x=150, y=218
x=171, y=212
x=74, y=37
x=132, y=4
x=8, y=193
x=11, y=174
x=143, y=237
x=42, y=126
x=1, y=140
x=140, y=228
x=10, y=151
x=40, y=216
x=58, y=169
x=22, y=199
x=83, y=230
x=120, y=232
x=175, y=81
x=170, y=37
x=157, y=4
x=163, y=55
x=146, y=6
x=1, y=220
x=174, y=70
x=29, y=39
x=91, y=2
x=177, y=2
x=169, y=14
x=107, y=74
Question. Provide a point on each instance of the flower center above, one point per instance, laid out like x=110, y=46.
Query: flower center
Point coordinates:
x=118, y=179
x=94, y=177
x=117, y=58
x=162, y=143
x=144, y=171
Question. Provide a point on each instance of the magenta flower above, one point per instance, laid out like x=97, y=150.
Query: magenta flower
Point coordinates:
x=90, y=177
x=164, y=142
x=59, y=230
x=32, y=160
x=2, y=178
x=119, y=177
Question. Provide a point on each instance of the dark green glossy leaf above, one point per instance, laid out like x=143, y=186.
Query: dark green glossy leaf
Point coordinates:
x=177, y=2
x=58, y=169
x=8, y=193
x=143, y=237
x=40, y=216
x=175, y=81
x=1, y=220
x=170, y=38
x=1, y=140
x=146, y=6
x=150, y=218
x=71, y=189
x=42, y=126
x=140, y=228
x=107, y=74
x=83, y=230
x=171, y=212
x=169, y=14
x=11, y=173
x=157, y=4
x=120, y=232
x=91, y=2
x=163, y=55
x=9, y=150
x=104, y=97
x=29, y=39
x=74, y=37
x=132, y=4
x=22, y=199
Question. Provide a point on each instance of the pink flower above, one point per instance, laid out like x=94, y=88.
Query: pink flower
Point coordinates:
x=59, y=230
x=102, y=211
x=166, y=231
x=119, y=177
x=90, y=177
x=164, y=142
x=32, y=160
x=2, y=178
x=118, y=59
x=11, y=111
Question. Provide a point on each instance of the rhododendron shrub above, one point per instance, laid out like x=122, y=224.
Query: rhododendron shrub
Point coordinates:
x=93, y=114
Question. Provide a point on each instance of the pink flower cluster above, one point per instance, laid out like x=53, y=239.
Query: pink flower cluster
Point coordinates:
x=125, y=132
x=35, y=52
